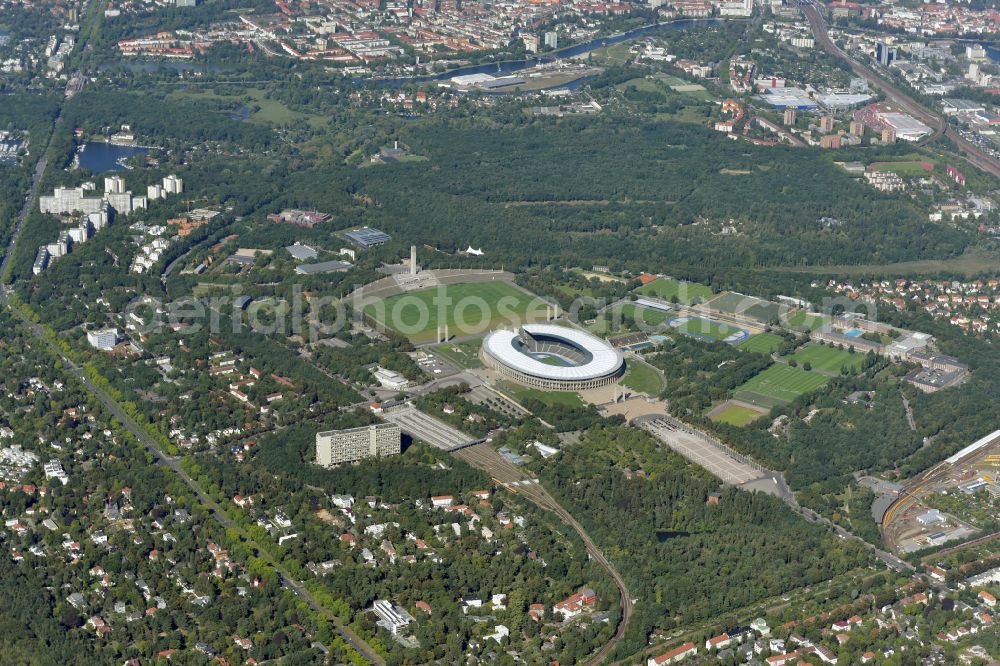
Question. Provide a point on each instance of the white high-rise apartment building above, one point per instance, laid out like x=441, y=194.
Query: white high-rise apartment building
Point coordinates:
x=372, y=441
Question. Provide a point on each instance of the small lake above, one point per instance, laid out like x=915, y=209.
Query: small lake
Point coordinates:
x=104, y=157
x=240, y=113
x=664, y=536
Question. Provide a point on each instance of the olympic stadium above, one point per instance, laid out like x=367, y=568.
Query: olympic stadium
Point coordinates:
x=552, y=357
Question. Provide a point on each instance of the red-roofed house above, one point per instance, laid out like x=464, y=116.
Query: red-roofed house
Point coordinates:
x=674, y=656
x=718, y=642
x=574, y=604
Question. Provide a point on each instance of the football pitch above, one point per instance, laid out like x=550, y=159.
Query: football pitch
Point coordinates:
x=804, y=321
x=828, y=359
x=748, y=306
x=467, y=309
x=779, y=385
x=647, y=316
x=736, y=415
x=708, y=329
x=685, y=292
x=764, y=343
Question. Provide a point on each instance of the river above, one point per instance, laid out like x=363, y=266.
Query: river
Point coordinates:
x=510, y=66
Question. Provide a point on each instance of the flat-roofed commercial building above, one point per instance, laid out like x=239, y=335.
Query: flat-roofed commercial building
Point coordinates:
x=373, y=441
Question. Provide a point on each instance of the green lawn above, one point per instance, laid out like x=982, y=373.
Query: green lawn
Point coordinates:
x=642, y=378
x=643, y=84
x=763, y=343
x=463, y=354
x=904, y=169
x=648, y=316
x=686, y=292
x=828, y=359
x=523, y=394
x=805, y=321
x=270, y=111
x=736, y=415
x=468, y=309
x=706, y=328
x=778, y=385
x=748, y=306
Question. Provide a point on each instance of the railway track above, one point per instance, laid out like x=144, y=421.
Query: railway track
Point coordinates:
x=914, y=489
x=969, y=152
x=482, y=456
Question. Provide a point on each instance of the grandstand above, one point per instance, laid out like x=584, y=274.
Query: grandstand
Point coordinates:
x=552, y=357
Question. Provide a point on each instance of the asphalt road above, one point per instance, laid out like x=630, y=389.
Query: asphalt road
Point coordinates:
x=26, y=207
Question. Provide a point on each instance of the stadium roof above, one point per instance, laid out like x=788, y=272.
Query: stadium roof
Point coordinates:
x=602, y=358
x=367, y=237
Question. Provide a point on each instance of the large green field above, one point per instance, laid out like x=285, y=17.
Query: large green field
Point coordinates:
x=763, y=343
x=462, y=355
x=523, y=394
x=706, y=328
x=736, y=415
x=642, y=378
x=467, y=309
x=685, y=292
x=748, y=306
x=778, y=385
x=648, y=316
x=805, y=321
x=828, y=359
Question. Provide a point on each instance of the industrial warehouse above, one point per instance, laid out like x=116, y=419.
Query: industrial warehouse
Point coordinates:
x=552, y=357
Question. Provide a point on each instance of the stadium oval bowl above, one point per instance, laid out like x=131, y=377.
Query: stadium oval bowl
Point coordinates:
x=552, y=357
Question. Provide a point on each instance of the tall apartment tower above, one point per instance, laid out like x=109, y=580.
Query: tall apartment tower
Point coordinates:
x=413, y=260
x=373, y=441
x=790, y=117
x=173, y=185
x=114, y=185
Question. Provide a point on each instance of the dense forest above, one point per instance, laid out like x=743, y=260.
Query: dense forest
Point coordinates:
x=546, y=191
x=692, y=560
